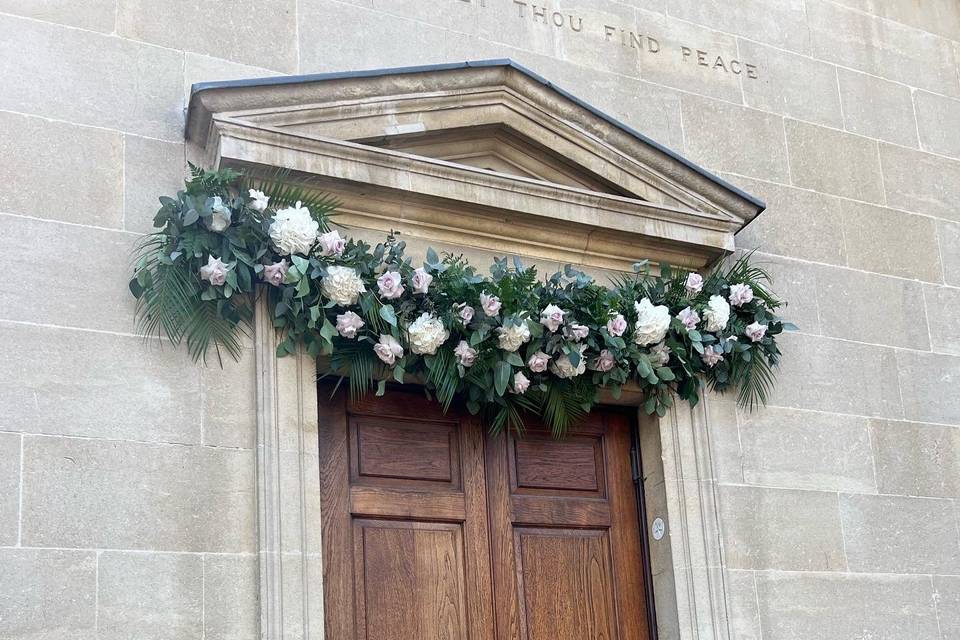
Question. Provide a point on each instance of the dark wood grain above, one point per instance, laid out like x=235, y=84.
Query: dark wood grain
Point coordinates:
x=546, y=463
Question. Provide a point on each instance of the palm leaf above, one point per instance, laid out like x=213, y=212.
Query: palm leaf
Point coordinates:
x=284, y=193
x=206, y=326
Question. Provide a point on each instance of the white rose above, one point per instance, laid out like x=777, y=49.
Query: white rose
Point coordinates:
x=294, y=230
x=490, y=304
x=551, y=317
x=388, y=349
x=694, y=283
x=740, y=294
x=538, y=362
x=348, y=324
x=513, y=335
x=717, y=314
x=711, y=357
x=520, y=383
x=652, y=322
x=426, y=334
x=342, y=285
x=466, y=355
x=221, y=216
x=421, y=280
x=260, y=200
x=563, y=368
x=756, y=331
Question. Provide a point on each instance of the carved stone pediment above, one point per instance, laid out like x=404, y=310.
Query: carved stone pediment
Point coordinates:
x=483, y=154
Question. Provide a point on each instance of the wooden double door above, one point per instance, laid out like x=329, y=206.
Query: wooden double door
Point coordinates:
x=435, y=530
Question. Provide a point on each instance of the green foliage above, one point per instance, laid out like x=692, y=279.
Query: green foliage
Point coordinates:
x=601, y=343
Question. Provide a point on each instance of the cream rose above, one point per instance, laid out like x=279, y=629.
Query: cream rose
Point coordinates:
x=513, y=335
x=388, y=349
x=652, y=322
x=563, y=368
x=348, y=324
x=342, y=285
x=331, y=244
x=426, y=334
x=694, y=283
x=215, y=271
x=551, y=317
x=259, y=199
x=717, y=314
x=421, y=280
x=756, y=331
x=490, y=304
x=520, y=383
x=220, y=216
x=740, y=294
x=275, y=273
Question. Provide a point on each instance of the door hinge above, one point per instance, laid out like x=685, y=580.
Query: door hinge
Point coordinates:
x=635, y=465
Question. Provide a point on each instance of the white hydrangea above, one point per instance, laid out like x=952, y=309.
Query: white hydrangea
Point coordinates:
x=342, y=285
x=294, y=230
x=717, y=314
x=563, y=368
x=513, y=335
x=426, y=334
x=652, y=323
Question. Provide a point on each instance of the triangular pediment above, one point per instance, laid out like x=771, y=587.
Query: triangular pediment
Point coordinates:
x=491, y=134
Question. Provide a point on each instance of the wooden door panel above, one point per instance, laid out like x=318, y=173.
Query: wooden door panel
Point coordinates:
x=385, y=450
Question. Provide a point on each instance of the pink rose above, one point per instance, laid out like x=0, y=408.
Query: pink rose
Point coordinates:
x=605, y=361
x=576, y=332
x=551, y=317
x=388, y=349
x=756, y=331
x=490, y=304
x=421, y=280
x=465, y=312
x=740, y=294
x=276, y=272
x=331, y=244
x=538, y=362
x=694, y=283
x=390, y=285
x=520, y=383
x=689, y=318
x=348, y=324
x=617, y=325
x=215, y=271
x=660, y=353
x=466, y=355
x=711, y=357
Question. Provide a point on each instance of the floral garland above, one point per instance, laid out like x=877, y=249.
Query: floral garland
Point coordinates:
x=507, y=344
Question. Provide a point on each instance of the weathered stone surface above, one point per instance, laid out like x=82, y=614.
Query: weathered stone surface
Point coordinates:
x=838, y=376
x=796, y=283
x=892, y=534
x=89, y=78
x=834, y=162
x=942, y=303
x=125, y=495
x=935, y=16
x=201, y=68
x=151, y=168
x=928, y=383
x=916, y=459
x=949, y=236
x=150, y=596
x=799, y=449
x=743, y=610
x=722, y=148
x=97, y=385
x=230, y=402
x=724, y=439
x=877, y=108
x=781, y=24
x=9, y=489
x=800, y=531
x=938, y=119
x=267, y=41
x=60, y=187
x=947, y=590
x=95, y=15
x=851, y=301
x=796, y=606
x=921, y=182
x=881, y=47
x=230, y=597
x=793, y=85
x=48, y=594
x=890, y=241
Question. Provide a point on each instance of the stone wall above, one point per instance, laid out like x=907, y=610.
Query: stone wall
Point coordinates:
x=127, y=472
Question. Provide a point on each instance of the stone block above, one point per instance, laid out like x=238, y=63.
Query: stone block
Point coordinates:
x=715, y=133
x=804, y=606
x=88, y=78
x=48, y=594
x=126, y=495
x=796, y=223
x=150, y=596
x=915, y=459
x=151, y=168
x=851, y=301
x=947, y=591
x=61, y=188
x=877, y=108
x=792, y=85
x=938, y=119
x=230, y=597
x=9, y=489
x=942, y=303
x=724, y=437
x=781, y=24
x=935, y=16
x=881, y=47
x=780, y=529
x=894, y=534
x=230, y=402
x=837, y=376
x=742, y=605
x=794, y=282
x=97, y=385
x=806, y=450
x=200, y=68
x=949, y=235
x=928, y=384
x=269, y=40
x=890, y=241
x=94, y=15
x=834, y=162
x=921, y=182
